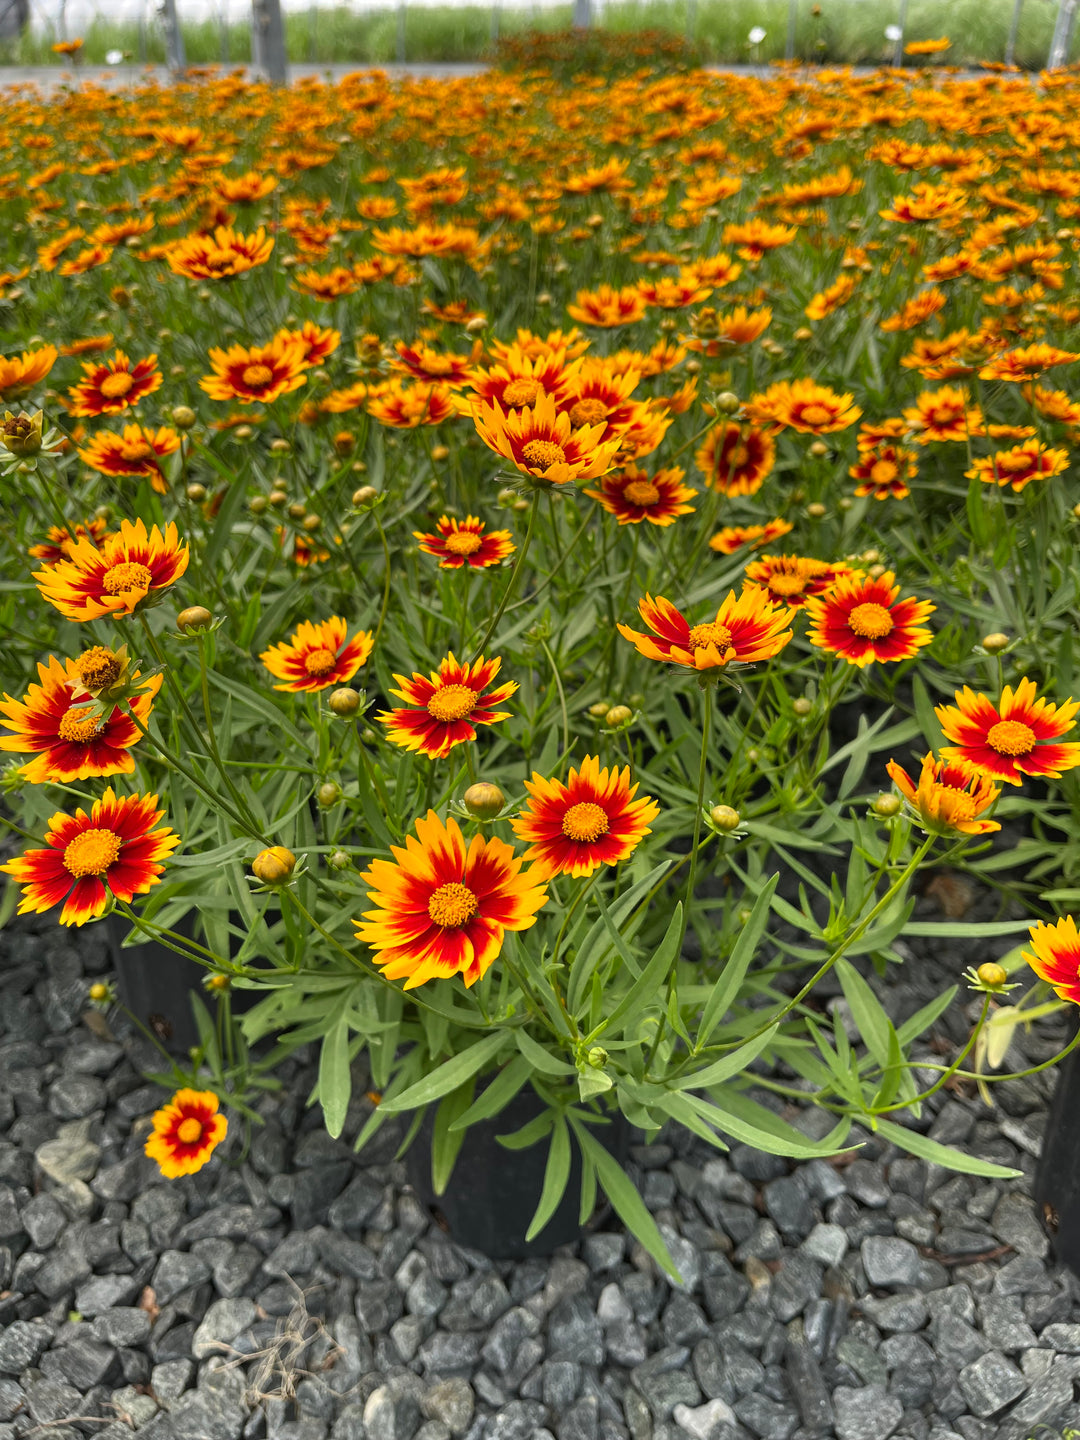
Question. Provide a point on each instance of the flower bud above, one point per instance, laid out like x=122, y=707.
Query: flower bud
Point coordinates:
x=618, y=715
x=328, y=793
x=99, y=993
x=218, y=983
x=596, y=1056
x=243, y=432
x=816, y=511
x=196, y=492
x=992, y=974
x=274, y=866
x=278, y=498
x=507, y=495
x=297, y=510
x=803, y=333
x=819, y=449
x=339, y=860
x=871, y=557
x=311, y=523
x=753, y=755
x=724, y=817
x=599, y=710
x=440, y=452
x=478, y=323
x=727, y=402
x=876, y=571
x=483, y=801
x=344, y=442
x=21, y=434
x=802, y=706
x=344, y=702
x=845, y=502
x=887, y=805
x=257, y=504
x=280, y=446
x=195, y=617
x=995, y=642
x=365, y=496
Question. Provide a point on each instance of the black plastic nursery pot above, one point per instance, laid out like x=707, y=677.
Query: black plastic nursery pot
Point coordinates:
x=493, y=1192
x=1057, y=1178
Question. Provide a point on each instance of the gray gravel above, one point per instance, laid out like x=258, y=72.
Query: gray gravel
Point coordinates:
x=304, y=1294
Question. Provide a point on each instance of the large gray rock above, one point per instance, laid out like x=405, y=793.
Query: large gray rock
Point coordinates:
x=865, y=1414
x=890, y=1263
x=221, y=1325
x=990, y=1383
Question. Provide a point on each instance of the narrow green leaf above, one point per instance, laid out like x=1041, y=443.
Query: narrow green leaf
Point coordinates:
x=447, y=1076
x=965, y=930
x=937, y=1154
x=743, y=1119
x=335, y=1076
x=622, y=1193
x=497, y=1095
x=646, y=987
x=556, y=1174
x=528, y=1134
x=866, y=1009
x=924, y=710
x=727, y=987
x=727, y=1065
x=446, y=1142
x=893, y=1072
x=591, y=950
x=539, y=1057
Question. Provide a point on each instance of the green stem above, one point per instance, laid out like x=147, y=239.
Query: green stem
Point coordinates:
x=518, y=564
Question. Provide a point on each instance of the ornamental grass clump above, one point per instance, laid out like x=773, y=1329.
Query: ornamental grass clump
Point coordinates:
x=476, y=556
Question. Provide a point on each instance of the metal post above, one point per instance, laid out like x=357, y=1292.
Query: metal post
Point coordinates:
x=1014, y=27
x=583, y=18
x=691, y=20
x=1063, y=29
x=401, y=32
x=495, y=22
x=268, y=40
x=223, y=23
x=792, y=20
x=174, y=40
x=901, y=22
x=313, y=21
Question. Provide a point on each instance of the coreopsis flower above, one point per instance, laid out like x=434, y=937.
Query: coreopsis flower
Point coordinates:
x=915, y=311
x=735, y=537
x=927, y=47
x=1055, y=956
x=114, y=385
x=632, y=495
x=605, y=307
x=137, y=451
x=443, y=710
x=791, y=579
x=590, y=821
x=318, y=655
x=332, y=286
x=598, y=395
x=832, y=298
x=186, y=1132
x=927, y=203
x=1020, y=465
x=463, y=542
x=88, y=345
x=244, y=189
x=864, y=620
x=57, y=544
x=735, y=459
x=755, y=238
x=1026, y=363
x=404, y=407
x=441, y=908
x=424, y=362
x=220, y=256
x=746, y=629
x=71, y=740
x=671, y=293
x=542, y=442
x=255, y=373
x=21, y=435
x=1053, y=404
x=517, y=379
x=948, y=797
x=714, y=334
x=884, y=471
x=429, y=239
x=131, y=571
x=1014, y=738
x=943, y=415
x=112, y=852
x=803, y=405
x=313, y=341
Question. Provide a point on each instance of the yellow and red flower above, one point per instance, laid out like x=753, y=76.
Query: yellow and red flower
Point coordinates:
x=735, y=459
x=255, y=373
x=1012, y=739
x=314, y=342
x=71, y=739
x=803, y=405
x=605, y=307
x=318, y=655
x=1026, y=363
x=542, y=442
x=186, y=1132
x=864, y=620
x=132, y=569
x=137, y=451
x=790, y=579
x=424, y=362
x=746, y=629
x=943, y=415
x=444, y=710
x=949, y=796
x=114, y=385
x=632, y=495
x=57, y=544
x=112, y=852
x=592, y=820
x=220, y=256
x=1020, y=465
x=463, y=542
x=884, y=471
x=404, y=407
x=1056, y=957
x=442, y=909
x=20, y=373
x=517, y=379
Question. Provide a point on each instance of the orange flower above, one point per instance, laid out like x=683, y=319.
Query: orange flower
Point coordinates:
x=746, y=629
x=255, y=373
x=1057, y=956
x=790, y=579
x=443, y=909
x=605, y=307
x=186, y=1132
x=718, y=332
x=448, y=239
x=92, y=345
x=918, y=309
x=220, y=256
x=755, y=238
x=109, y=388
x=927, y=203
x=884, y=471
x=1018, y=466
x=131, y=571
x=832, y=297
x=313, y=342
x=1027, y=363
x=631, y=495
x=949, y=797
x=673, y=294
x=1013, y=738
x=590, y=821
x=113, y=850
x=244, y=189
x=943, y=415
x=136, y=452
x=445, y=709
x=804, y=405
x=58, y=544
x=331, y=286
x=734, y=537
x=463, y=542
x=516, y=380
x=544, y=444
x=863, y=620
x=404, y=407
x=735, y=459
x=317, y=656
x=424, y=362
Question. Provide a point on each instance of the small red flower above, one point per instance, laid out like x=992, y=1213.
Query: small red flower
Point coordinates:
x=1013, y=738
x=863, y=620
x=114, y=385
x=443, y=711
x=317, y=656
x=186, y=1131
x=592, y=820
x=463, y=542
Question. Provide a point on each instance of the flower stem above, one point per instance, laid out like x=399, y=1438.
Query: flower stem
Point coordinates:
x=510, y=584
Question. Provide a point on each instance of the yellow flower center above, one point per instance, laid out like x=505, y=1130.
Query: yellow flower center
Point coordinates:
x=588, y=412
x=543, y=454
x=320, y=662
x=463, y=542
x=116, y=385
x=585, y=822
x=438, y=364
x=256, y=376
x=218, y=259
x=452, y=702
x=189, y=1131
x=641, y=492
x=136, y=450
x=92, y=852
x=815, y=415
x=129, y=575
x=78, y=726
x=522, y=392
x=1014, y=464
x=883, y=472
x=788, y=584
x=452, y=905
x=872, y=622
x=961, y=806
x=739, y=457
x=702, y=636
x=1011, y=737
x=98, y=668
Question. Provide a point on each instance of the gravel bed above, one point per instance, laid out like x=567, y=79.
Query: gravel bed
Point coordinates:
x=306, y=1295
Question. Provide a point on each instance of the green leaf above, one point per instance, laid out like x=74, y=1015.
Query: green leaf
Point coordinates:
x=728, y=1065
x=893, y=1072
x=497, y=1095
x=922, y=1019
x=528, y=1134
x=447, y=1076
x=963, y=930
x=924, y=710
x=866, y=1009
x=446, y=1142
x=937, y=1154
x=591, y=950
x=335, y=1076
x=743, y=1119
x=646, y=986
x=629, y=1206
x=727, y=987
x=539, y=1057
x=556, y=1174
x=207, y=1034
